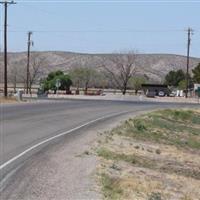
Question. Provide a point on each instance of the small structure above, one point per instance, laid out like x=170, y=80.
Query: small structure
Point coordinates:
x=155, y=89
x=19, y=94
x=197, y=89
x=196, y=86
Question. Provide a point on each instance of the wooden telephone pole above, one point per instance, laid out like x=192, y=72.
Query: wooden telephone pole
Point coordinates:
x=189, y=31
x=28, y=62
x=5, y=3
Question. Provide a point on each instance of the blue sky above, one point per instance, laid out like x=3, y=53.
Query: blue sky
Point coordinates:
x=104, y=26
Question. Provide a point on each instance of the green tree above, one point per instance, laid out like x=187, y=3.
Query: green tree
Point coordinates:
x=182, y=85
x=136, y=83
x=76, y=75
x=174, y=77
x=83, y=77
x=65, y=81
x=53, y=74
x=50, y=82
x=196, y=74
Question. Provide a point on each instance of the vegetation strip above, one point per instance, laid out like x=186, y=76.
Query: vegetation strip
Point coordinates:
x=148, y=157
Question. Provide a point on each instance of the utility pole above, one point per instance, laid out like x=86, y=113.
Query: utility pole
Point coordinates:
x=189, y=31
x=28, y=62
x=5, y=3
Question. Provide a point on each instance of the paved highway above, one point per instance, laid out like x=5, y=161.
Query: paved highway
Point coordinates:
x=25, y=125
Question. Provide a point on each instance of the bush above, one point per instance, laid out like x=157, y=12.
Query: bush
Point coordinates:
x=155, y=196
x=50, y=82
x=139, y=125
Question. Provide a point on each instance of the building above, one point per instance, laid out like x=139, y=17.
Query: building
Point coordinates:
x=154, y=89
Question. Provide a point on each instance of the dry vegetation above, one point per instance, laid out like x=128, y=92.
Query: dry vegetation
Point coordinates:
x=7, y=100
x=152, y=157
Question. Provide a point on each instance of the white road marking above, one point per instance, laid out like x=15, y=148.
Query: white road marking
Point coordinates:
x=57, y=136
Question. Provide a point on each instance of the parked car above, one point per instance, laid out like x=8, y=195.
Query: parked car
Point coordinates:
x=41, y=93
x=161, y=94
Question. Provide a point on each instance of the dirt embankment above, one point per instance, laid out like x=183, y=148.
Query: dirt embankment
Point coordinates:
x=152, y=157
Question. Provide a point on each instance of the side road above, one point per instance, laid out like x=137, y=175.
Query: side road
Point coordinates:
x=62, y=171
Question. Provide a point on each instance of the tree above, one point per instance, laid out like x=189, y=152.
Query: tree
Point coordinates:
x=196, y=74
x=65, y=82
x=120, y=68
x=182, y=85
x=13, y=74
x=83, y=77
x=50, y=82
x=16, y=73
x=174, y=77
x=35, y=71
x=76, y=75
x=136, y=83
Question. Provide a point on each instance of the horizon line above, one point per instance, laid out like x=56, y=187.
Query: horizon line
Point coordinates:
x=101, y=53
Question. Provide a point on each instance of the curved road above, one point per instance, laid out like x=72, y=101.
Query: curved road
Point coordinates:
x=25, y=125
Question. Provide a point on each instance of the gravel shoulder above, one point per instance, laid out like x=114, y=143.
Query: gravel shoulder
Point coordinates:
x=65, y=170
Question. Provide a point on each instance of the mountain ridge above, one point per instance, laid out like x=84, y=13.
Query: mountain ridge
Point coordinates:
x=154, y=65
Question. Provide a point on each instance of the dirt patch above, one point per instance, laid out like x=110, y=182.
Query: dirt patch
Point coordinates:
x=4, y=100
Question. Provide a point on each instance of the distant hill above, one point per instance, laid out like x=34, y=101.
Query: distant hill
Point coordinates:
x=155, y=66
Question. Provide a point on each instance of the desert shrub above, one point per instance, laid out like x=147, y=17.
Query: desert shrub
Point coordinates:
x=139, y=125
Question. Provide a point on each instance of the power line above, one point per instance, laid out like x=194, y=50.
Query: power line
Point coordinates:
x=102, y=31
x=109, y=1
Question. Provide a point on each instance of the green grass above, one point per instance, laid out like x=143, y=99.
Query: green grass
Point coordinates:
x=155, y=196
x=109, y=155
x=174, y=127
x=145, y=162
x=133, y=159
x=110, y=187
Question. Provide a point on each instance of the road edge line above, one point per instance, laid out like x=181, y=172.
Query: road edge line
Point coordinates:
x=4, y=165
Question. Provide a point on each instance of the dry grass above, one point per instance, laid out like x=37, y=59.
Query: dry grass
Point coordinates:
x=135, y=167
x=7, y=100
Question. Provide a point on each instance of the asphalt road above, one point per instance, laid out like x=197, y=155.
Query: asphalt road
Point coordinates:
x=24, y=125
